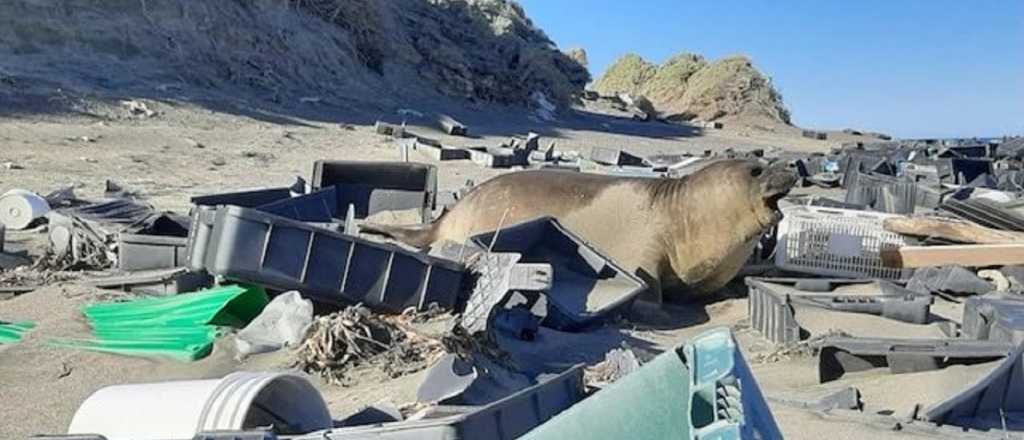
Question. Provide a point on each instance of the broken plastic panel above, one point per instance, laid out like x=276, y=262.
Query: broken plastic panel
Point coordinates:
x=772, y=304
x=448, y=378
x=587, y=288
x=954, y=280
x=702, y=389
x=253, y=246
x=996, y=401
x=498, y=274
x=836, y=242
x=615, y=157
x=507, y=418
x=841, y=355
x=994, y=318
x=984, y=213
x=379, y=186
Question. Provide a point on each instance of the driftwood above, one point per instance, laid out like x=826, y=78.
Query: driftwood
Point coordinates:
x=955, y=230
x=974, y=255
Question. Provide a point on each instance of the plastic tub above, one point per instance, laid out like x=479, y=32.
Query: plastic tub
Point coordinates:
x=180, y=409
x=20, y=207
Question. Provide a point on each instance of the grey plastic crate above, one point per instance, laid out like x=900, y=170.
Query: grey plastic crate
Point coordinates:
x=772, y=305
x=840, y=355
x=199, y=234
x=507, y=418
x=246, y=199
x=148, y=252
x=992, y=403
x=588, y=286
x=373, y=187
x=155, y=282
x=250, y=245
x=320, y=206
x=614, y=156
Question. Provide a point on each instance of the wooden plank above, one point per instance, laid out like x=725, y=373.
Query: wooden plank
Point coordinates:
x=956, y=230
x=971, y=255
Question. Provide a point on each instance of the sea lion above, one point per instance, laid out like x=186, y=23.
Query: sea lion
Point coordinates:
x=692, y=233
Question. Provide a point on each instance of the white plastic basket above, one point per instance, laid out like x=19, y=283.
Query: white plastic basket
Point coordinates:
x=836, y=242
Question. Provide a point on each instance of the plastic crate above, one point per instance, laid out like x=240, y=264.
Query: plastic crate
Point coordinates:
x=836, y=242
x=508, y=418
x=250, y=245
x=702, y=389
x=148, y=252
x=373, y=187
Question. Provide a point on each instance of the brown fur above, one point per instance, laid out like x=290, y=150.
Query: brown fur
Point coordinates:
x=688, y=234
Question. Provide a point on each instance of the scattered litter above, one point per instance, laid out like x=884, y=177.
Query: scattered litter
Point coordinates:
x=282, y=323
x=355, y=336
x=11, y=332
x=618, y=363
x=181, y=327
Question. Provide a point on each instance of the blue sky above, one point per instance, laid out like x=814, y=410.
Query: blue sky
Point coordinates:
x=912, y=68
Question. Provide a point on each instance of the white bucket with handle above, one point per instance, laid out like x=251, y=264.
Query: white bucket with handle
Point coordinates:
x=20, y=207
x=181, y=409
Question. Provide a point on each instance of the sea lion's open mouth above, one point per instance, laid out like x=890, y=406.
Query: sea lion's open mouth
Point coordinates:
x=776, y=186
x=772, y=201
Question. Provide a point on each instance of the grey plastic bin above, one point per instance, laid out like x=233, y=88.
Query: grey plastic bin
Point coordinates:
x=247, y=199
x=379, y=186
x=148, y=252
x=507, y=418
x=319, y=206
x=250, y=245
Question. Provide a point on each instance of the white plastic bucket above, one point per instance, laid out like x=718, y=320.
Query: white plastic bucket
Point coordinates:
x=181, y=409
x=19, y=207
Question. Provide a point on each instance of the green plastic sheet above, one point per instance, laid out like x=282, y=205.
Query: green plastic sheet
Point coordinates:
x=181, y=327
x=11, y=332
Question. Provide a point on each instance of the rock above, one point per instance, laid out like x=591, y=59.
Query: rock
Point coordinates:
x=219, y=161
x=579, y=55
x=689, y=87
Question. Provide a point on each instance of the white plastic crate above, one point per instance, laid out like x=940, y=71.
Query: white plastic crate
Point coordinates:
x=836, y=242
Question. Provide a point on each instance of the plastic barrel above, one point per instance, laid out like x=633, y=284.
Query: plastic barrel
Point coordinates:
x=19, y=207
x=180, y=409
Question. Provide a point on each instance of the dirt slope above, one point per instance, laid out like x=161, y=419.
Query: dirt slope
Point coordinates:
x=365, y=50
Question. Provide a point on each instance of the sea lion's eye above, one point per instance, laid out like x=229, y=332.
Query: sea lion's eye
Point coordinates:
x=756, y=171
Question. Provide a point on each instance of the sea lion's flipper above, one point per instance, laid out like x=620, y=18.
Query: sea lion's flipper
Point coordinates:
x=419, y=236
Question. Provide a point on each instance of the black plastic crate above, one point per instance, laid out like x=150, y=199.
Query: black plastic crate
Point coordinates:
x=253, y=246
x=373, y=187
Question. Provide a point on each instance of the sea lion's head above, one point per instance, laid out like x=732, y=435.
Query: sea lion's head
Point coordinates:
x=770, y=184
x=759, y=185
